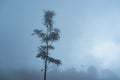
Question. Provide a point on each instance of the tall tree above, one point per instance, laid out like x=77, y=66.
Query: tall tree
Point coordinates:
x=47, y=36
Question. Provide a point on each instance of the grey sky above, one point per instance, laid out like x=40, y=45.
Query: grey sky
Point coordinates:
x=89, y=33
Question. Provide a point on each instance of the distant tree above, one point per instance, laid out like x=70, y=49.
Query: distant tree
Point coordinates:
x=48, y=36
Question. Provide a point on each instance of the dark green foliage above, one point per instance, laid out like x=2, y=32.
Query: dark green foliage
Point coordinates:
x=53, y=60
x=48, y=19
x=47, y=38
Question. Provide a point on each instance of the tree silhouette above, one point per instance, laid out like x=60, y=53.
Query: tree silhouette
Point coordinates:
x=47, y=36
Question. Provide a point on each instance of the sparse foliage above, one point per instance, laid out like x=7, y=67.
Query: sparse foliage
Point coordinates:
x=47, y=38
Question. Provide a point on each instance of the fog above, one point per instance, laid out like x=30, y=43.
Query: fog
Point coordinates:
x=90, y=35
x=91, y=73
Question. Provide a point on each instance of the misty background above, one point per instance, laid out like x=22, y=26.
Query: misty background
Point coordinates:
x=90, y=36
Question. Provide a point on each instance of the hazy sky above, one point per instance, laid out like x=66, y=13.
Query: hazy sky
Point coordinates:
x=89, y=33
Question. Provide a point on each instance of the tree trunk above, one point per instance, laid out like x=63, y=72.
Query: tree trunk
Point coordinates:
x=45, y=72
x=45, y=69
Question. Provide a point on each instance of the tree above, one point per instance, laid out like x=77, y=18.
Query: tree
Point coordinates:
x=47, y=36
